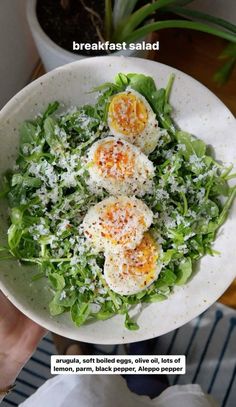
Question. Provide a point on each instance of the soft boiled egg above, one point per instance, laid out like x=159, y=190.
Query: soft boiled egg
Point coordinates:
x=119, y=167
x=131, y=117
x=117, y=223
x=135, y=269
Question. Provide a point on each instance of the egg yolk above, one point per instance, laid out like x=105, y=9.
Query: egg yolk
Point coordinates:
x=119, y=223
x=128, y=114
x=114, y=160
x=142, y=260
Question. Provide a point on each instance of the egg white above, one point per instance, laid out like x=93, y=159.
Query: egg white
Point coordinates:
x=147, y=139
x=134, y=177
x=117, y=223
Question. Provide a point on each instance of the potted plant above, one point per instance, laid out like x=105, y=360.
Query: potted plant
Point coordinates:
x=55, y=25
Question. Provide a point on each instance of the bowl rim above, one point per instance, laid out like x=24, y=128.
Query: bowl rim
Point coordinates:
x=95, y=60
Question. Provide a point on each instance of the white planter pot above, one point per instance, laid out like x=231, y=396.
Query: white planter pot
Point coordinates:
x=52, y=55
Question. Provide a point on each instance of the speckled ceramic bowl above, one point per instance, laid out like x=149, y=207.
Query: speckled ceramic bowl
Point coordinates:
x=196, y=110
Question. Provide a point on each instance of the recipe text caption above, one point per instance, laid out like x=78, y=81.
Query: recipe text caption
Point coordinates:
x=141, y=364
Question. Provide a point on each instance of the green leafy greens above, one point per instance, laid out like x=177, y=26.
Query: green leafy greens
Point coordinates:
x=48, y=197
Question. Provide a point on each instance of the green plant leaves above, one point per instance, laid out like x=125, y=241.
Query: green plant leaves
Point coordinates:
x=80, y=312
x=184, y=271
x=121, y=10
x=130, y=323
x=193, y=146
x=57, y=281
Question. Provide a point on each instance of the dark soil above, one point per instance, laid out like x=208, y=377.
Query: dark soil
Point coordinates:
x=65, y=25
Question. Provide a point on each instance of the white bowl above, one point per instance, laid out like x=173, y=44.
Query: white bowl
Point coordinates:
x=196, y=110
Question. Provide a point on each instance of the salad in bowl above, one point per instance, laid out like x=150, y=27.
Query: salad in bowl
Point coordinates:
x=112, y=203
